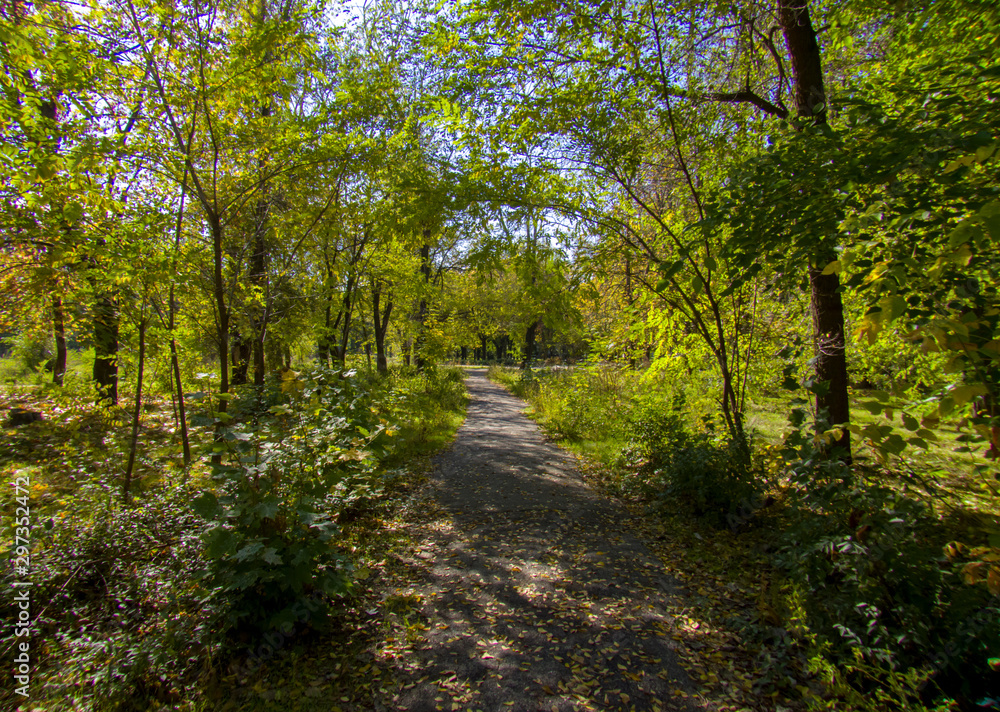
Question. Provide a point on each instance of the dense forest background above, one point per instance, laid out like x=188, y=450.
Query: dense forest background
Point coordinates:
x=743, y=256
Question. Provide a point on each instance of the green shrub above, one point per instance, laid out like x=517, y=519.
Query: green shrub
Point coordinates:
x=117, y=602
x=675, y=464
x=876, y=591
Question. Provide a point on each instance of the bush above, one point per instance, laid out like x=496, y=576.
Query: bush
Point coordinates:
x=877, y=593
x=675, y=464
x=117, y=602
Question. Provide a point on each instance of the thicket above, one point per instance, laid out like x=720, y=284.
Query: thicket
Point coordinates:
x=877, y=604
x=145, y=600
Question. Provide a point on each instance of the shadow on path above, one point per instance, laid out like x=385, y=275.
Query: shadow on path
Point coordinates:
x=528, y=592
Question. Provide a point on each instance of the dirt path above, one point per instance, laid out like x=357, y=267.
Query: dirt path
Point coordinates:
x=527, y=592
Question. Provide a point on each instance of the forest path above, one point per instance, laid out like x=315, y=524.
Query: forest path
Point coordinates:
x=527, y=590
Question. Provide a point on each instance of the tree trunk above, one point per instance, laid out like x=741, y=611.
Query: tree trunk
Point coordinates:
x=345, y=327
x=259, y=281
x=106, y=348
x=829, y=344
x=59, y=333
x=242, y=352
x=323, y=342
x=127, y=484
x=826, y=304
x=181, y=414
x=175, y=361
x=529, y=343
x=380, y=321
x=425, y=270
x=222, y=310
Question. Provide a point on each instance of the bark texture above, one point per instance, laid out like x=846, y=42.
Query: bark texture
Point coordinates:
x=826, y=303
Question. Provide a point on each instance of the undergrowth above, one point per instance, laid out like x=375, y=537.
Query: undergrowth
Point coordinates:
x=874, y=592
x=146, y=603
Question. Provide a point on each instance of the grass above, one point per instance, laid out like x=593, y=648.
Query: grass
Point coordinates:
x=966, y=478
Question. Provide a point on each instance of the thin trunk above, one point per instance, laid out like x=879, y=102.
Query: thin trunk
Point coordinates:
x=380, y=320
x=59, y=332
x=222, y=310
x=258, y=267
x=425, y=270
x=323, y=342
x=181, y=414
x=345, y=328
x=175, y=361
x=127, y=484
x=826, y=303
x=48, y=109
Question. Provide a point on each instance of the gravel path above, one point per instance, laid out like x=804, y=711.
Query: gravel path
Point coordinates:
x=528, y=592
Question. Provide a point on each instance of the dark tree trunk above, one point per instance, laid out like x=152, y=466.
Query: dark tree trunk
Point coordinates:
x=465, y=354
x=106, y=348
x=181, y=412
x=529, y=342
x=829, y=344
x=127, y=484
x=171, y=326
x=380, y=321
x=827, y=306
x=258, y=279
x=242, y=352
x=59, y=333
x=323, y=342
x=258, y=263
x=345, y=326
x=222, y=312
x=425, y=270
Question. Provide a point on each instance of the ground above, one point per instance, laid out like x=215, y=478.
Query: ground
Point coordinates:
x=526, y=589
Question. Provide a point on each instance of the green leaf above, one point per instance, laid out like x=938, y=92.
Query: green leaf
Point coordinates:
x=269, y=507
x=872, y=407
x=249, y=550
x=219, y=542
x=206, y=506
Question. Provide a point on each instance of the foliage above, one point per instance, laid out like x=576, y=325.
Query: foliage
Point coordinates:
x=150, y=600
x=576, y=403
x=874, y=586
x=674, y=464
x=123, y=614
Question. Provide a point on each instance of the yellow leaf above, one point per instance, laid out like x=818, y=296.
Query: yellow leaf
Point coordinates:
x=833, y=268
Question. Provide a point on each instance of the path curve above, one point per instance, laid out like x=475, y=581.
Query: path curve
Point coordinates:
x=532, y=595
